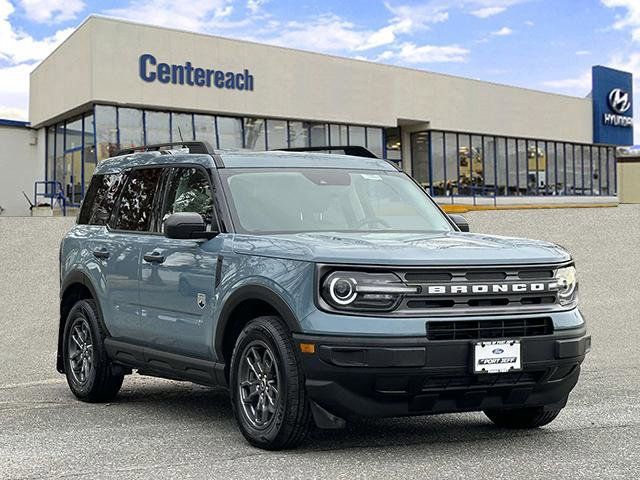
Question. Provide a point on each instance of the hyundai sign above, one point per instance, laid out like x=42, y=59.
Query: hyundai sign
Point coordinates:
x=612, y=97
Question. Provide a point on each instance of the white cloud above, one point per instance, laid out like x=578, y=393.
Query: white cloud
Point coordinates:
x=578, y=86
x=255, y=5
x=19, y=54
x=529, y=23
x=488, y=11
x=412, y=54
x=12, y=113
x=630, y=19
x=503, y=32
x=17, y=46
x=199, y=15
x=582, y=53
x=52, y=11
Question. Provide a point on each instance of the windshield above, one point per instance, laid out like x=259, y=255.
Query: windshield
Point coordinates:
x=323, y=200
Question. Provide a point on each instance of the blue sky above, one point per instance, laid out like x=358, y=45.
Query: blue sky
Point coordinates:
x=541, y=44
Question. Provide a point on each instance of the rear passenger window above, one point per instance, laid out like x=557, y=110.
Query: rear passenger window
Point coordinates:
x=189, y=191
x=137, y=200
x=100, y=199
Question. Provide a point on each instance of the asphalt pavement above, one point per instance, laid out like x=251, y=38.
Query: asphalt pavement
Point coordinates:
x=166, y=429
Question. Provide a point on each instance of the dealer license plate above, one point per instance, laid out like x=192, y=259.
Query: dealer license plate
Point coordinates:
x=497, y=356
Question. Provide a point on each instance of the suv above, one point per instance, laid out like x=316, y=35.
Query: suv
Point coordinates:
x=316, y=287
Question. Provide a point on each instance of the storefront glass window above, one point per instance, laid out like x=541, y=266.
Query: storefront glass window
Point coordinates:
x=451, y=162
x=229, y=132
x=489, y=152
x=420, y=158
x=611, y=179
x=375, y=141
x=339, y=136
x=501, y=165
x=181, y=123
x=130, y=127
x=254, y=134
x=205, y=129
x=106, y=131
x=319, y=134
x=51, y=159
x=357, y=136
x=298, y=135
x=157, y=127
x=277, y=134
x=438, y=187
x=89, y=151
x=393, y=144
x=59, y=172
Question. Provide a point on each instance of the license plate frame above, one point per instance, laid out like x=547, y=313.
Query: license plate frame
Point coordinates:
x=497, y=356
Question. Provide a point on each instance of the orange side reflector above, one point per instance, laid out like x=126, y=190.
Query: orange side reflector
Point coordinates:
x=307, y=348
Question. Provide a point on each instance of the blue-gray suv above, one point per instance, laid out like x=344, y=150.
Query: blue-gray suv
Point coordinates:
x=317, y=287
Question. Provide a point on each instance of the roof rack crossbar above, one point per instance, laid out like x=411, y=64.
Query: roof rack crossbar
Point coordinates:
x=353, y=150
x=194, y=147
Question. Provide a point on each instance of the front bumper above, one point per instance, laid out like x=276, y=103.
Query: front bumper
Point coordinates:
x=388, y=377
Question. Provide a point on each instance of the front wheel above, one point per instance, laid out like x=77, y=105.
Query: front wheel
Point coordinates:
x=267, y=386
x=86, y=365
x=532, y=417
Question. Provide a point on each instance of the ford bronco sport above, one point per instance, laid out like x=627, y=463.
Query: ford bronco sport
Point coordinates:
x=316, y=287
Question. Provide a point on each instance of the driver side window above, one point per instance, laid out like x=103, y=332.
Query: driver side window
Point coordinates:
x=189, y=190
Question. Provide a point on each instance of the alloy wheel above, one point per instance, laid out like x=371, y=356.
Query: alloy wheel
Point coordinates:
x=259, y=384
x=80, y=350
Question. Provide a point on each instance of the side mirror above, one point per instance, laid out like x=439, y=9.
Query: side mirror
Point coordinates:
x=187, y=226
x=460, y=222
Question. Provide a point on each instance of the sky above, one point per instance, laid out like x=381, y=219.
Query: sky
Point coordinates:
x=547, y=45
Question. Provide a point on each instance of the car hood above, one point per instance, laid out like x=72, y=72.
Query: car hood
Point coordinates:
x=438, y=248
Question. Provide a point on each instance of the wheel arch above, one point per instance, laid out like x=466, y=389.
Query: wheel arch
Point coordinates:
x=75, y=286
x=243, y=305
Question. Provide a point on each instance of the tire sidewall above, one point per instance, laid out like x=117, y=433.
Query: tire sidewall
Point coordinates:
x=84, y=310
x=259, y=329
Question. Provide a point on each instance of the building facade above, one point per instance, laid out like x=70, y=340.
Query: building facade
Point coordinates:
x=115, y=84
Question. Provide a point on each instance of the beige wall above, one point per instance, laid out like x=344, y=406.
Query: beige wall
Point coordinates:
x=99, y=62
x=20, y=168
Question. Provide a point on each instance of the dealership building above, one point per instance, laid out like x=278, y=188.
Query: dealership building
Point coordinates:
x=115, y=84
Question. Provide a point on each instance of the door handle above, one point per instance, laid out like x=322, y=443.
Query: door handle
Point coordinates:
x=154, y=257
x=101, y=253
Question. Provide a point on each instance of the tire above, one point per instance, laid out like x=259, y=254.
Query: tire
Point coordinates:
x=284, y=420
x=84, y=340
x=532, y=417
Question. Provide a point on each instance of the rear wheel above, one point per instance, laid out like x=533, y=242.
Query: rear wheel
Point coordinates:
x=87, y=367
x=267, y=386
x=531, y=417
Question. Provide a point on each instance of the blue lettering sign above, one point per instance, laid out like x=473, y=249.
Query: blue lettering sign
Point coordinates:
x=150, y=70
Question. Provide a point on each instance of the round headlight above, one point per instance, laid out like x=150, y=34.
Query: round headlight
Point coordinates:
x=567, y=285
x=343, y=290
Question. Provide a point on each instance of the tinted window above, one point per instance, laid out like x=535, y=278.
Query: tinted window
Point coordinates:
x=100, y=199
x=189, y=191
x=137, y=200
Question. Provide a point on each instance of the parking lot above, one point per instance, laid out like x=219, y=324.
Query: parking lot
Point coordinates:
x=166, y=429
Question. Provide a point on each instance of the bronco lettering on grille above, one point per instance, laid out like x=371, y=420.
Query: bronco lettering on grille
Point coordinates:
x=488, y=288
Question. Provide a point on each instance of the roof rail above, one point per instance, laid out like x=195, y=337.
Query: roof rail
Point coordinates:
x=194, y=147
x=353, y=150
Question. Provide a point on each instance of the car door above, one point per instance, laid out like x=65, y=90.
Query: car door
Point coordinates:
x=129, y=229
x=177, y=291
x=110, y=262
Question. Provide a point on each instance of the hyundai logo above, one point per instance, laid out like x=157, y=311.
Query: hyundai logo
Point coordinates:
x=619, y=100
x=497, y=351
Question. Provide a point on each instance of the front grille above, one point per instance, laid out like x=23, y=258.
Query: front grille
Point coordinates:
x=489, y=329
x=479, y=290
